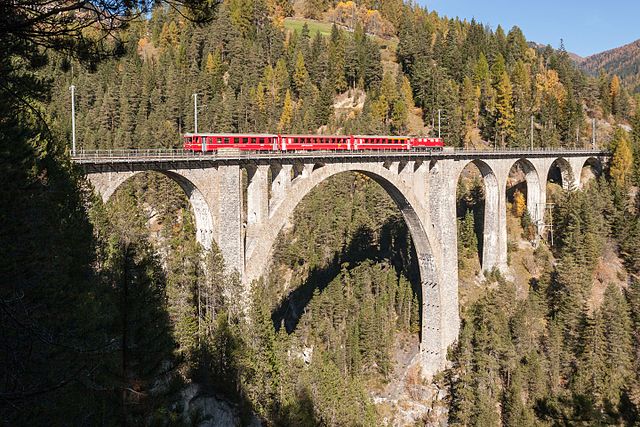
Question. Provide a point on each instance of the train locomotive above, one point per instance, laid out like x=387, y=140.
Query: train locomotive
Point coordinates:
x=211, y=142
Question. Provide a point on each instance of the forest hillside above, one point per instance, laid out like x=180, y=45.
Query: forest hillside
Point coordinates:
x=623, y=61
x=112, y=314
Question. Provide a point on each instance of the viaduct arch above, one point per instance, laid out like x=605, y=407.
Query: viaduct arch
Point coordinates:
x=259, y=250
x=423, y=185
x=107, y=186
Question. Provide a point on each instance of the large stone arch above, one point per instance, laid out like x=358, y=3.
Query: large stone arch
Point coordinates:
x=491, y=227
x=434, y=332
x=107, y=184
x=534, y=193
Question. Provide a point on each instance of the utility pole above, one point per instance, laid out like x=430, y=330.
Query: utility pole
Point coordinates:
x=73, y=119
x=195, y=113
x=438, y=123
x=593, y=133
x=531, y=133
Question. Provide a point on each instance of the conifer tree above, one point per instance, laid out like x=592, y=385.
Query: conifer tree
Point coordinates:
x=300, y=74
x=287, y=113
x=622, y=162
x=614, y=93
x=618, y=333
x=504, y=109
x=590, y=379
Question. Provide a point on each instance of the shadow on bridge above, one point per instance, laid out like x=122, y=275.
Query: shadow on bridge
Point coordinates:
x=395, y=246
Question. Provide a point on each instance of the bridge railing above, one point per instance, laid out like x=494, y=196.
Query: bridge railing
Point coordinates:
x=527, y=150
x=134, y=153
x=180, y=154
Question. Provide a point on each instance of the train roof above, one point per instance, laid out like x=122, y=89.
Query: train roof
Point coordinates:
x=232, y=134
x=394, y=136
x=311, y=135
x=305, y=135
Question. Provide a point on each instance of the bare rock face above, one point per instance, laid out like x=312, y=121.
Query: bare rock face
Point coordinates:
x=203, y=409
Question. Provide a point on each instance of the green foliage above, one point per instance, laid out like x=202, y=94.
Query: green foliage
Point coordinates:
x=241, y=64
x=557, y=356
x=467, y=239
x=498, y=81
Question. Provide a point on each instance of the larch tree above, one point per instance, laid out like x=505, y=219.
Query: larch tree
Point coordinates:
x=614, y=93
x=504, y=109
x=300, y=74
x=622, y=162
x=287, y=113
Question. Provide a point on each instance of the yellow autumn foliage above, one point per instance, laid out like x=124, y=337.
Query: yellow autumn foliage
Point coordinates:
x=519, y=204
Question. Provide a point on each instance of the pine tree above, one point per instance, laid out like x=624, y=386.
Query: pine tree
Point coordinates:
x=337, y=60
x=590, y=380
x=618, y=335
x=324, y=104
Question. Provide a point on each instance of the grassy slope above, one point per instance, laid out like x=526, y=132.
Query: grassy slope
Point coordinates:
x=296, y=24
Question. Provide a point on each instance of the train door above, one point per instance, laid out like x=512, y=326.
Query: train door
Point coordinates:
x=203, y=141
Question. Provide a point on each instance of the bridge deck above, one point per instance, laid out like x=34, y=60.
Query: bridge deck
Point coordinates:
x=179, y=155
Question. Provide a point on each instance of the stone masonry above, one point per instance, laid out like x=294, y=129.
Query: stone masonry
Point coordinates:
x=422, y=185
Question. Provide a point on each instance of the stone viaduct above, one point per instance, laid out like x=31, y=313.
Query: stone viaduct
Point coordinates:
x=244, y=216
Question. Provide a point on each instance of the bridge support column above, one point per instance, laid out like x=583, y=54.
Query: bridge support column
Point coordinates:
x=258, y=195
x=440, y=198
x=419, y=180
x=501, y=261
x=576, y=172
x=537, y=210
x=230, y=239
x=280, y=185
x=490, y=234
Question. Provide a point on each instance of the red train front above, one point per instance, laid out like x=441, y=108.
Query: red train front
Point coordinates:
x=203, y=142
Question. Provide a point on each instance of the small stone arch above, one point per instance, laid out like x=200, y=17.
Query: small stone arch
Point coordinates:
x=591, y=168
x=318, y=165
x=532, y=179
x=202, y=212
x=567, y=177
x=490, y=233
x=416, y=218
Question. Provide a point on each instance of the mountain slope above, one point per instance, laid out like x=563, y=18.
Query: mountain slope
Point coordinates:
x=623, y=61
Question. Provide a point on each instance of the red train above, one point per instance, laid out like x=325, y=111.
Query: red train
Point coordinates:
x=268, y=142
